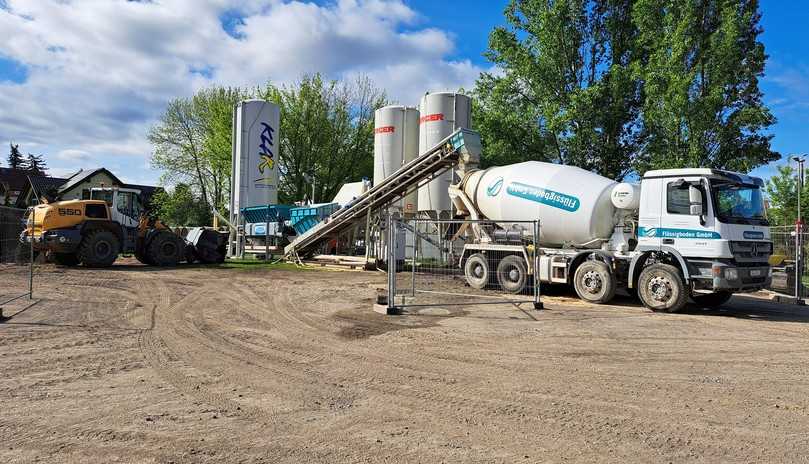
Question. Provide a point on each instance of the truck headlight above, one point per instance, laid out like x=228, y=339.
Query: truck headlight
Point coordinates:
x=731, y=273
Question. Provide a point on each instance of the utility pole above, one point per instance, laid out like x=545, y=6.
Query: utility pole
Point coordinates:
x=799, y=236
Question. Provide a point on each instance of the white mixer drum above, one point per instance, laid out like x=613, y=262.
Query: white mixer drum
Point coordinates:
x=574, y=206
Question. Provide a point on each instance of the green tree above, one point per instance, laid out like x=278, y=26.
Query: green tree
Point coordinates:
x=700, y=62
x=326, y=134
x=15, y=158
x=617, y=86
x=192, y=143
x=181, y=207
x=782, y=190
x=563, y=90
x=36, y=164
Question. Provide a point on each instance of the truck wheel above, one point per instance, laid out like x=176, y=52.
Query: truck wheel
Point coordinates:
x=661, y=288
x=477, y=271
x=712, y=300
x=166, y=249
x=594, y=282
x=66, y=259
x=98, y=249
x=512, y=274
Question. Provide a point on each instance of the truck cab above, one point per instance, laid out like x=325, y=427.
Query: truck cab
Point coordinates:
x=709, y=223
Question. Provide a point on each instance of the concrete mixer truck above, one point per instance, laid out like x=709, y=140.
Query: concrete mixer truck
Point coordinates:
x=681, y=234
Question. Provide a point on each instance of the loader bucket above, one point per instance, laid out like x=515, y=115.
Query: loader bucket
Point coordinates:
x=207, y=245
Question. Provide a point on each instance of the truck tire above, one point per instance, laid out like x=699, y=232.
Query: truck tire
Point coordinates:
x=166, y=249
x=99, y=248
x=66, y=259
x=661, y=288
x=477, y=271
x=712, y=300
x=512, y=274
x=594, y=282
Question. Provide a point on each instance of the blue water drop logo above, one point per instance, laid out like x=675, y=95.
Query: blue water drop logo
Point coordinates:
x=495, y=187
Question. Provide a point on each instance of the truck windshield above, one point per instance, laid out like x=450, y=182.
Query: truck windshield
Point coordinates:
x=738, y=203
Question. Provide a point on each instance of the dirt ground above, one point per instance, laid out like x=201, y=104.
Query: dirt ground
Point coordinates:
x=196, y=364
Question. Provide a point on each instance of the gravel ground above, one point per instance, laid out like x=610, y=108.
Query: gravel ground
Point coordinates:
x=195, y=364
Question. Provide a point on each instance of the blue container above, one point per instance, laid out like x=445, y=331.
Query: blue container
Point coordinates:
x=271, y=213
x=306, y=217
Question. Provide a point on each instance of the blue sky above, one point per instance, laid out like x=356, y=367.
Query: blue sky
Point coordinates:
x=87, y=79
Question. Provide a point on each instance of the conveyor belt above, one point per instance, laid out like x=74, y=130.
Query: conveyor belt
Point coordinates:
x=461, y=148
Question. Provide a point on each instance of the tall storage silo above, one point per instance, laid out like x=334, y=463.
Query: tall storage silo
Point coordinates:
x=396, y=142
x=255, y=156
x=441, y=114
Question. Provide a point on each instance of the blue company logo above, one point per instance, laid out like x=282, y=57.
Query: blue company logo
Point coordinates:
x=544, y=196
x=662, y=232
x=753, y=235
x=495, y=187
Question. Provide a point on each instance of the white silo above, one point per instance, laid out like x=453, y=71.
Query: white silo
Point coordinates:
x=441, y=114
x=256, y=140
x=396, y=142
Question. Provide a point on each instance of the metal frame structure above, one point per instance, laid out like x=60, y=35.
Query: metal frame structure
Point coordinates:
x=30, y=238
x=395, y=224
x=460, y=147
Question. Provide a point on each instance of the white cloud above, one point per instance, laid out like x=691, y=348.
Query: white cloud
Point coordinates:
x=100, y=71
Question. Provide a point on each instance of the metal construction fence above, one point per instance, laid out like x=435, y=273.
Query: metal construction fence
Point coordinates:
x=790, y=249
x=16, y=257
x=436, y=263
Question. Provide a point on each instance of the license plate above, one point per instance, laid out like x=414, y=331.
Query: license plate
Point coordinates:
x=755, y=273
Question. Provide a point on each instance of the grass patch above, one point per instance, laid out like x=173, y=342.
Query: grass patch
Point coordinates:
x=258, y=264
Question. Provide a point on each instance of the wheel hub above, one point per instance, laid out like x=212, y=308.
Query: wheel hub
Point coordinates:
x=477, y=271
x=513, y=275
x=102, y=248
x=592, y=282
x=661, y=289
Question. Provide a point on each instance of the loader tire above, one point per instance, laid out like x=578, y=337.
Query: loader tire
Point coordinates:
x=190, y=254
x=66, y=259
x=166, y=249
x=143, y=258
x=99, y=248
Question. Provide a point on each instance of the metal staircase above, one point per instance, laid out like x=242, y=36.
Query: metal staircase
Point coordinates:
x=461, y=148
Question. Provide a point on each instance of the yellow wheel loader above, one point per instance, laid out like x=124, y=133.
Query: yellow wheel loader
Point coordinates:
x=94, y=232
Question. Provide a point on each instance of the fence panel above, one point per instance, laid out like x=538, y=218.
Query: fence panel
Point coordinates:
x=16, y=257
x=432, y=262
x=786, y=244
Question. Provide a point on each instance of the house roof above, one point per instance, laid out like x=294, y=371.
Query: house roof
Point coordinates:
x=17, y=179
x=81, y=176
x=14, y=179
x=42, y=184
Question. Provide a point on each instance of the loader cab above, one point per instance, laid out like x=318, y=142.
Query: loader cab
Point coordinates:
x=124, y=204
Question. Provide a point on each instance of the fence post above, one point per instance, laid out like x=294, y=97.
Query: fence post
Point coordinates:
x=415, y=257
x=31, y=263
x=799, y=263
x=391, y=265
x=267, y=234
x=537, y=303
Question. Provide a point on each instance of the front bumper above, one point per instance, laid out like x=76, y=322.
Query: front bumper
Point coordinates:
x=741, y=279
x=59, y=241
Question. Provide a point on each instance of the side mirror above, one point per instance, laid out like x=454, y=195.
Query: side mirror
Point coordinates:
x=695, y=200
